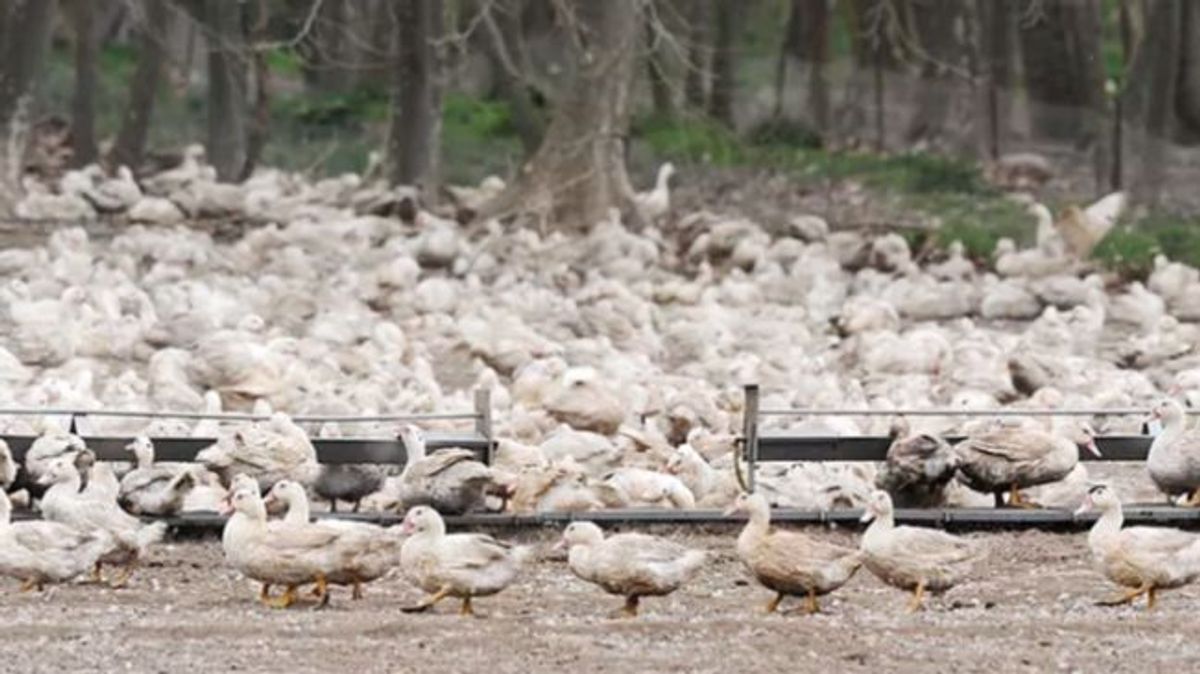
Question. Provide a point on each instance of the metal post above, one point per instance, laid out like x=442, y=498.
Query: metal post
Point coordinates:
x=483, y=419
x=750, y=433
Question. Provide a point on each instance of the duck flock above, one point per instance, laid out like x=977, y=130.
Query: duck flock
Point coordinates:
x=615, y=359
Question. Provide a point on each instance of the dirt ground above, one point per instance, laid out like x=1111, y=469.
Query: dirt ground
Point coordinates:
x=1029, y=608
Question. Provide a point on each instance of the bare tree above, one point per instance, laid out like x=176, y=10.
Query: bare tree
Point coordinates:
x=727, y=17
x=806, y=40
x=870, y=24
x=936, y=44
x=656, y=72
x=996, y=37
x=504, y=43
x=153, y=27
x=82, y=14
x=1151, y=100
x=1064, y=68
x=24, y=38
x=699, y=58
x=417, y=98
x=578, y=173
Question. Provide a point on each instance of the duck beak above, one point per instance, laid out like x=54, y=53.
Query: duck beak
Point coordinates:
x=1085, y=507
x=407, y=527
x=44, y=480
x=1091, y=447
x=867, y=516
x=225, y=507
x=730, y=511
x=560, y=546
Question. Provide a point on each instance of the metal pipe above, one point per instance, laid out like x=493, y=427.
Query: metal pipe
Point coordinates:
x=227, y=416
x=945, y=412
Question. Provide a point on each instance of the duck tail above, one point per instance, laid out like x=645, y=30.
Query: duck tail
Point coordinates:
x=523, y=554
x=692, y=560
x=150, y=534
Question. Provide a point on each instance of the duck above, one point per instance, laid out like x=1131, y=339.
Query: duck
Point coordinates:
x=1174, y=457
x=63, y=502
x=788, y=562
x=347, y=482
x=378, y=549
x=38, y=552
x=1009, y=457
x=454, y=565
x=151, y=489
x=642, y=487
x=1143, y=559
x=283, y=554
x=631, y=565
x=9, y=468
x=656, y=203
x=276, y=450
x=1083, y=228
x=450, y=480
x=919, y=468
x=920, y=560
x=711, y=487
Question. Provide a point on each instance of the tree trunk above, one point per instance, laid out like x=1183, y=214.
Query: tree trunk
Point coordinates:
x=152, y=28
x=578, y=173
x=504, y=43
x=695, y=85
x=1155, y=74
x=259, y=128
x=83, y=100
x=1187, y=101
x=724, y=64
x=413, y=137
x=872, y=51
x=25, y=27
x=1064, y=69
x=806, y=40
x=940, y=51
x=656, y=73
x=227, y=89
x=997, y=26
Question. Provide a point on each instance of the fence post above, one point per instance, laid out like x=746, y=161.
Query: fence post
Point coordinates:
x=483, y=419
x=750, y=433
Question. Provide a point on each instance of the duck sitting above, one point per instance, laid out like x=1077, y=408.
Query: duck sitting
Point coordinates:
x=454, y=565
x=1144, y=559
x=151, y=489
x=378, y=549
x=920, y=560
x=39, y=552
x=63, y=502
x=347, y=482
x=1174, y=457
x=450, y=480
x=1009, y=457
x=788, y=562
x=631, y=565
x=282, y=554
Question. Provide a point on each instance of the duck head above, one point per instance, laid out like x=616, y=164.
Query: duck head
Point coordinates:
x=879, y=505
x=1099, y=498
x=580, y=533
x=422, y=519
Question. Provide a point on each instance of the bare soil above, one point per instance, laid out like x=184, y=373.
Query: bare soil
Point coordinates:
x=1029, y=608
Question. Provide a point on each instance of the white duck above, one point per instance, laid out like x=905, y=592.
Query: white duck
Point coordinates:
x=39, y=552
x=632, y=565
x=1174, y=456
x=450, y=480
x=377, y=550
x=920, y=560
x=151, y=489
x=656, y=203
x=454, y=565
x=268, y=452
x=64, y=503
x=283, y=554
x=1144, y=559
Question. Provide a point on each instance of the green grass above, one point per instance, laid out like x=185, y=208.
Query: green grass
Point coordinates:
x=1130, y=248
x=690, y=140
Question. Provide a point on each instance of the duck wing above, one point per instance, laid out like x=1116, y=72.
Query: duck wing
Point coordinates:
x=1016, y=446
x=440, y=461
x=934, y=547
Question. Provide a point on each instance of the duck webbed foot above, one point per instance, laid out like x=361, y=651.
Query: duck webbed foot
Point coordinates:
x=629, y=610
x=773, y=605
x=123, y=577
x=284, y=600
x=1017, y=500
x=918, y=599
x=1128, y=597
x=428, y=603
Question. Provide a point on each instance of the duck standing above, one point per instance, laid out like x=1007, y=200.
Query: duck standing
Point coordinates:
x=788, y=562
x=1174, y=457
x=454, y=565
x=1013, y=457
x=39, y=552
x=631, y=565
x=1143, y=559
x=910, y=558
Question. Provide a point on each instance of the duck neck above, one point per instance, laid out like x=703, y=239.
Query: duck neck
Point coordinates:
x=297, y=509
x=145, y=457
x=5, y=511
x=882, y=525
x=660, y=184
x=1106, y=528
x=759, y=524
